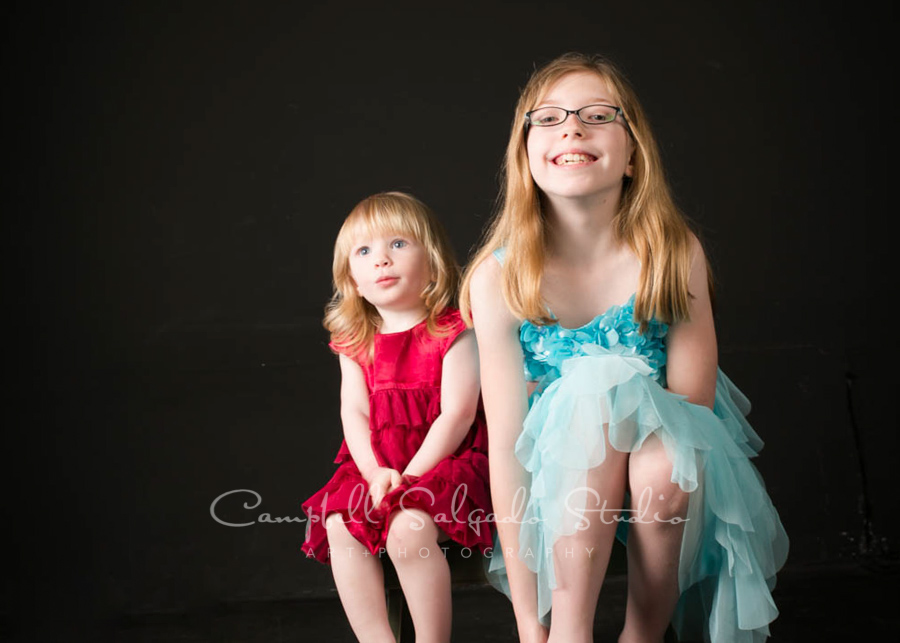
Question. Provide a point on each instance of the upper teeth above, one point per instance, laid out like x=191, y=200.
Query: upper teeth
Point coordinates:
x=564, y=159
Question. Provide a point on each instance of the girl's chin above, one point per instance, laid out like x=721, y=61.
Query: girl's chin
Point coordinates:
x=572, y=194
x=579, y=189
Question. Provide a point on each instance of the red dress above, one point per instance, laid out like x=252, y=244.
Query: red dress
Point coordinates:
x=404, y=382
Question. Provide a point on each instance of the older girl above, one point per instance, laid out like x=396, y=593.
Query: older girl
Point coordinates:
x=591, y=284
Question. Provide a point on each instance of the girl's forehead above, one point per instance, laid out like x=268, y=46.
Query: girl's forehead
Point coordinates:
x=584, y=84
x=370, y=231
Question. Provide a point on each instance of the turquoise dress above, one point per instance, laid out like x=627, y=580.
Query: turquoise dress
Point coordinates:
x=606, y=375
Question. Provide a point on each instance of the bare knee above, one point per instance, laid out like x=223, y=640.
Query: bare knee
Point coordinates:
x=587, y=551
x=340, y=540
x=654, y=497
x=411, y=535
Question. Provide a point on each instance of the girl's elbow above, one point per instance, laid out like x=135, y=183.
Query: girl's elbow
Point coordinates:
x=703, y=396
x=501, y=440
x=705, y=400
x=699, y=395
x=464, y=417
x=354, y=416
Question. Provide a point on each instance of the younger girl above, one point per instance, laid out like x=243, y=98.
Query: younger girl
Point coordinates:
x=413, y=466
x=591, y=283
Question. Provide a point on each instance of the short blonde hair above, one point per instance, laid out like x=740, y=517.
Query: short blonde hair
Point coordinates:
x=353, y=321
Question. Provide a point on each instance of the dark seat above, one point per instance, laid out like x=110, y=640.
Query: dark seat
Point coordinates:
x=466, y=570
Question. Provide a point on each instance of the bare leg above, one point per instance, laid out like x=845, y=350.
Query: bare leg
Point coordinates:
x=654, y=545
x=412, y=544
x=580, y=560
x=506, y=498
x=359, y=578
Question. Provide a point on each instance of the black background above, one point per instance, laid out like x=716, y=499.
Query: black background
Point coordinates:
x=176, y=176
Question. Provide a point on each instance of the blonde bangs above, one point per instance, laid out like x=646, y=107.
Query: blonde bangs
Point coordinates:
x=353, y=321
x=380, y=216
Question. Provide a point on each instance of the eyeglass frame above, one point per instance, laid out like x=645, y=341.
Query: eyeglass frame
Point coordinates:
x=577, y=112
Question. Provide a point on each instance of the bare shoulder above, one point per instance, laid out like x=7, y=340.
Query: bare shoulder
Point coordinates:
x=486, y=275
x=489, y=309
x=697, y=252
x=698, y=280
x=348, y=364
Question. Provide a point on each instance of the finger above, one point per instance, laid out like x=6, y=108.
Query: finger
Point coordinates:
x=376, y=493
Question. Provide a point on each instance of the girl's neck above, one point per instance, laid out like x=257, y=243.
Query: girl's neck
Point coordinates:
x=581, y=229
x=397, y=321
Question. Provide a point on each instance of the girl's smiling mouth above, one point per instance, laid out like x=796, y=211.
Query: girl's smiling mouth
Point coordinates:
x=574, y=158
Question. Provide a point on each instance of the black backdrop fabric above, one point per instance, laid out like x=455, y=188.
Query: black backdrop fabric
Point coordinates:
x=177, y=175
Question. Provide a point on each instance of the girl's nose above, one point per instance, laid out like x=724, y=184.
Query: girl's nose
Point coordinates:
x=573, y=127
x=574, y=131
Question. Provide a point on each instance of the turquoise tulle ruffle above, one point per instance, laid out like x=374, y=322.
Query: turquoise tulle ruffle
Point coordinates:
x=733, y=541
x=607, y=377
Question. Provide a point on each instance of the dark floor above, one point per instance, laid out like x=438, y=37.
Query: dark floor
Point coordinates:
x=852, y=602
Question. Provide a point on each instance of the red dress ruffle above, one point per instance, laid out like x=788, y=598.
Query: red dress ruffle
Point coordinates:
x=404, y=381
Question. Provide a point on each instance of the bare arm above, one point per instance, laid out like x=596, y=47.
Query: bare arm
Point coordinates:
x=459, y=402
x=692, y=350
x=505, y=404
x=355, y=419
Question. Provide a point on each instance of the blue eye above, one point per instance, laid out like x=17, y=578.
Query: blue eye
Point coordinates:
x=363, y=251
x=399, y=243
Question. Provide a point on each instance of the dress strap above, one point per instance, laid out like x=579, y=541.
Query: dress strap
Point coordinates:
x=453, y=326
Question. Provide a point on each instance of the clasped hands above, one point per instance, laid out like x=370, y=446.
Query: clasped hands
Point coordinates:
x=383, y=480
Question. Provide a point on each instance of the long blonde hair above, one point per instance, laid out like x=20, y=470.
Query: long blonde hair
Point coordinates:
x=353, y=321
x=647, y=220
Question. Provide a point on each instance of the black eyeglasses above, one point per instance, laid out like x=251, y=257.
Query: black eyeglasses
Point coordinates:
x=589, y=115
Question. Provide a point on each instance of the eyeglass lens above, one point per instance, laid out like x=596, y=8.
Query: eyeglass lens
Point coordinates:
x=590, y=115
